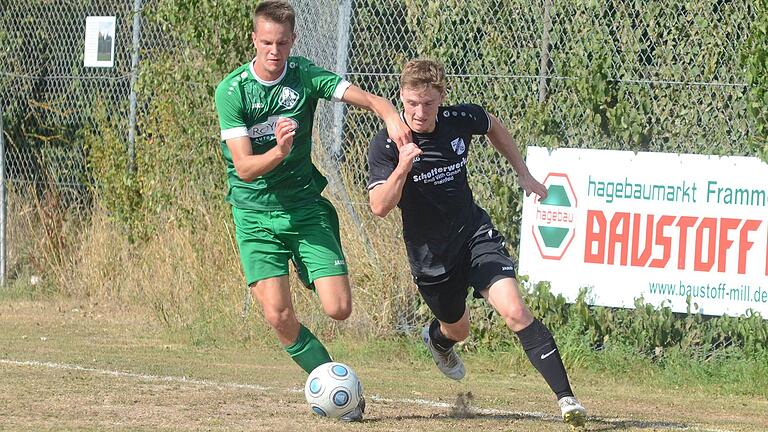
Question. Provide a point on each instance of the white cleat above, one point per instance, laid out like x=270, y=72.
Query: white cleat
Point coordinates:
x=574, y=414
x=448, y=362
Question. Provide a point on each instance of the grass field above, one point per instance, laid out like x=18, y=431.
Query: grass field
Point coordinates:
x=66, y=366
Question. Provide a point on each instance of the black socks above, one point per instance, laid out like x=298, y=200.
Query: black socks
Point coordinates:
x=439, y=340
x=540, y=347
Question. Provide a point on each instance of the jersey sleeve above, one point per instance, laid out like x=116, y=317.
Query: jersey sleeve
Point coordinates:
x=229, y=107
x=472, y=118
x=322, y=83
x=382, y=159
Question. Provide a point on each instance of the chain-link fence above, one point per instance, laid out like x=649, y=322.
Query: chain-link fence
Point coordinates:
x=47, y=91
x=630, y=74
x=51, y=100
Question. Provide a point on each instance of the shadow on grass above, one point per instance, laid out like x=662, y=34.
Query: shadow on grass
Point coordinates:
x=462, y=410
x=593, y=423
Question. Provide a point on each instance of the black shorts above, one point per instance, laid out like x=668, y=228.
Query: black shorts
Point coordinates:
x=484, y=261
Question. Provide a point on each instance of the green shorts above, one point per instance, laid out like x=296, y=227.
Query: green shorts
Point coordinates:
x=308, y=235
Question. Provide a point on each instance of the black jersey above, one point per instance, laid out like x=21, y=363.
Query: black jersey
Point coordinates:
x=438, y=210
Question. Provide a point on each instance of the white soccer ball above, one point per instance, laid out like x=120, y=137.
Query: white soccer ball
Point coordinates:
x=333, y=390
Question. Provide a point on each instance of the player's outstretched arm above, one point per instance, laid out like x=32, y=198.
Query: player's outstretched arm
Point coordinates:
x=385, y=196
x=250, y=166
x=396, y=129
x=506, y=145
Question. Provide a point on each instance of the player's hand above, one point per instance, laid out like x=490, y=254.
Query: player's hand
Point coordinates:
x=285, y=130
x=398, y=131
x=531, y=185
x=407, y=153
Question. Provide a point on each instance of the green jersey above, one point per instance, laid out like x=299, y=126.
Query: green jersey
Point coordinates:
x=249, y=106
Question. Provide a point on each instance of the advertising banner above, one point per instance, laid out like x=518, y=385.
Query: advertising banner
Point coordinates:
x=657, y=226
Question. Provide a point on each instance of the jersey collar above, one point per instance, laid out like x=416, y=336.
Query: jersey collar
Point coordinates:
x=265, y=82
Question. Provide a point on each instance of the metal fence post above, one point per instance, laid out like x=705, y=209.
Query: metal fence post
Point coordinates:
x=134, y=76
x=3, y=202
x=544, y=59
x=339, y=109
x=342, y=55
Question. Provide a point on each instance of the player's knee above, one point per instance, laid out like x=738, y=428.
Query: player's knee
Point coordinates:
x=280, y=319
x=516, y=315
x=339, y=311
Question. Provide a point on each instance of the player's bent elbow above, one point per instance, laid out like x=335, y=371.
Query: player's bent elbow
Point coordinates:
x=379, y=209
x=246, y=178
x=244, y=174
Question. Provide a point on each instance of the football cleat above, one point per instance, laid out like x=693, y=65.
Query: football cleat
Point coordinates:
x=573, y=412
x=448, y=362
x=356, y=414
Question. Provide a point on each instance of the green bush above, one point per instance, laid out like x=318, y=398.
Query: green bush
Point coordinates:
x=756, y=58
x=647, y=330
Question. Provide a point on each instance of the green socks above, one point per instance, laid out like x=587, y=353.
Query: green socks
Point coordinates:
x=307, y=351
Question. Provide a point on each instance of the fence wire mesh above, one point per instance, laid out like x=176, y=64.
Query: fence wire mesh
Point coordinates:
x=617, y=74
x=46, y=87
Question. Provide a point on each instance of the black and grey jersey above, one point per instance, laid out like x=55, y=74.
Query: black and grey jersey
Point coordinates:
x=438, y=210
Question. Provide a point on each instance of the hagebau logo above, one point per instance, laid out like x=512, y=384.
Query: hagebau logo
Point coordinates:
x=554, y=227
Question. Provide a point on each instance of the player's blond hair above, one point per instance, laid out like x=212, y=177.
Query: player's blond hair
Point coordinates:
x=422, y=73
x=278, y=11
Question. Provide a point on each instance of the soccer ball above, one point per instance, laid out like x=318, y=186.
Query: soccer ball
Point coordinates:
x=333, y=390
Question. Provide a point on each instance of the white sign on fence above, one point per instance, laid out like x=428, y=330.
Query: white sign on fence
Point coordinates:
x=664, y=227
x=99, y=41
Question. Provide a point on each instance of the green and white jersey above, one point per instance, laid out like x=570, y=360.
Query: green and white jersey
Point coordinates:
x=249, y=106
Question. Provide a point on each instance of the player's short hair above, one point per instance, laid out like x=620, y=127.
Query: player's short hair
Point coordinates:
x=278, y=11
x=422, y=73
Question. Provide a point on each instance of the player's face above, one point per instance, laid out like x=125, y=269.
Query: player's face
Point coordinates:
x=273, y=42
x=421, y=105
